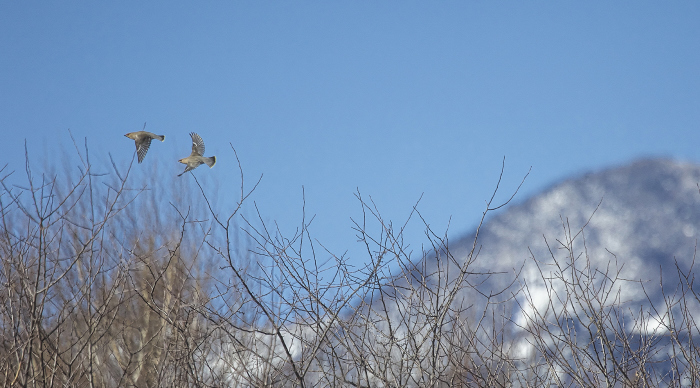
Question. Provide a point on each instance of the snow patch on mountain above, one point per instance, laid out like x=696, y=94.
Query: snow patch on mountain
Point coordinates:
x=640, y=219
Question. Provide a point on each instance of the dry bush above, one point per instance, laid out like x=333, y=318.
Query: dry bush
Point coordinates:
x=108, y=282
x=98, y=286
x=580, y=331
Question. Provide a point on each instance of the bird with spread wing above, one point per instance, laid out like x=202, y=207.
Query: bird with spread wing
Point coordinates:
x=197, y=157
x=143, y=141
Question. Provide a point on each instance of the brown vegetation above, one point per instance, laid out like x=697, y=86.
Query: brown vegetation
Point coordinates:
x=103, y=286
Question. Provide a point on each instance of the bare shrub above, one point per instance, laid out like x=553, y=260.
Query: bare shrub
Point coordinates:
x=579, y=330
x=88, y=297
x=108, y=282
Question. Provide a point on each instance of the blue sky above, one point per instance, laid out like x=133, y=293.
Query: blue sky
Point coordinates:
x=396, y=99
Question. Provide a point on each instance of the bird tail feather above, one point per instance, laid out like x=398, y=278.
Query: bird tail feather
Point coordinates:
x=161, y=137
x=211, y=161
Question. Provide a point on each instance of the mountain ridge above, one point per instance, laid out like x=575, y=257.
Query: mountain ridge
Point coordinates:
x=633, y=202
x=636, y=222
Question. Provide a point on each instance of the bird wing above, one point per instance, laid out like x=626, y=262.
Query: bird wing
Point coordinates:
x=142, y=145
x=197, y=145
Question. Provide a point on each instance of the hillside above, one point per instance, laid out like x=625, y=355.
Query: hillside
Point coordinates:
x=649, y=214
x=641, y=225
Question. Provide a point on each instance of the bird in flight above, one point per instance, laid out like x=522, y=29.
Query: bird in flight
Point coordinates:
x=143, y=141
x=197, y=157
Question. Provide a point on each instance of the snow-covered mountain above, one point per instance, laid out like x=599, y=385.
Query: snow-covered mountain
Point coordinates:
x=640, y=219
x=649, y=214
x=568, y=313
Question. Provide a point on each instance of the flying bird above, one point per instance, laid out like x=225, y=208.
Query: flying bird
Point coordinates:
x=197, y=157
x=143, y=141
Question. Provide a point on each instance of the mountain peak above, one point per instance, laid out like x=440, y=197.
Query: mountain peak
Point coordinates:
x=645, y=212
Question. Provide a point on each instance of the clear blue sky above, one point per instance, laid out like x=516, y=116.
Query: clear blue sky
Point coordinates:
x=397, y=99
